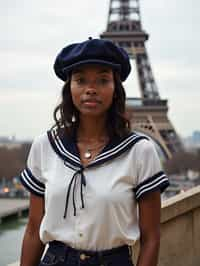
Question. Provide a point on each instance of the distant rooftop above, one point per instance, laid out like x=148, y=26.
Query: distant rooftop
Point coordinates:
x=4, y=141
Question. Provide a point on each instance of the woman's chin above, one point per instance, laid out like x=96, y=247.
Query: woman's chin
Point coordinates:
x=92, y=113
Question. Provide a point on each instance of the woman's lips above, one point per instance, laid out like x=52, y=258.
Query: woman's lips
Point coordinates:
x=91, y=103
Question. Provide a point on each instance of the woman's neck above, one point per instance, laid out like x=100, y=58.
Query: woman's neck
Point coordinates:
x=92, y=129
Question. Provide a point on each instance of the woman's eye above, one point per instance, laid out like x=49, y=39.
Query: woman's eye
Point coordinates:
x=80, y=80
x=100, y=81
x=104, y=81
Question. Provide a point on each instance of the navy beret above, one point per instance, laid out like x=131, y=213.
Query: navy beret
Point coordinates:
x=92, y=51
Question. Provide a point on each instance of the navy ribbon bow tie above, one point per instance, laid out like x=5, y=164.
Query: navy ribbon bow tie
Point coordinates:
x=78, y=173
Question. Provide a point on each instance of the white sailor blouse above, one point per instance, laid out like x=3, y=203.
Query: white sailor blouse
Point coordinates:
x=93, y=207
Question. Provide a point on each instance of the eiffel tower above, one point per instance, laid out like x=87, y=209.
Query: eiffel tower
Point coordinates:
x=147, y=114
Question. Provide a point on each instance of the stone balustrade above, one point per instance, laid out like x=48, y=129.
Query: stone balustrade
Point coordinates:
x=180, y=230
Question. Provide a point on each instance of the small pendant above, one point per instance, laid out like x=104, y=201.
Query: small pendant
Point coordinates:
x=87, y=155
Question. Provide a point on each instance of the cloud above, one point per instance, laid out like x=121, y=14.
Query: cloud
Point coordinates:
x=27, y=113
x=33, y=32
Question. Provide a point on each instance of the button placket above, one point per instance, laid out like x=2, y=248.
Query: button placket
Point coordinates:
x=78, y=232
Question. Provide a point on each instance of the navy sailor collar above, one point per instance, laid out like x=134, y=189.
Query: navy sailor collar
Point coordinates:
x=66, y=148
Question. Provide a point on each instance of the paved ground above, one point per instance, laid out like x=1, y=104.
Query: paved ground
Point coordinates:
x=12, y=206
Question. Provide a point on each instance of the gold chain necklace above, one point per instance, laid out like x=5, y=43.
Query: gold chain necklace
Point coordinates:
x=87, y=154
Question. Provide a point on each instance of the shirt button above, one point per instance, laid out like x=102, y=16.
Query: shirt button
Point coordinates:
x=84, y=257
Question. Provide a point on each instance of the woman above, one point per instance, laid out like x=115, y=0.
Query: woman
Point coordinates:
x=89, y=173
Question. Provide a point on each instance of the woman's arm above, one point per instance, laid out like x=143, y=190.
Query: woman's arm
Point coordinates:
x=32, y=247
x=149, y=223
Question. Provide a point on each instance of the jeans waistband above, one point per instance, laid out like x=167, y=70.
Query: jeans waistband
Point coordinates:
x=87, y=253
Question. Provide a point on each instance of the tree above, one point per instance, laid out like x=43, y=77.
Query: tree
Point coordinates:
x=182, y=162
x=13, y=160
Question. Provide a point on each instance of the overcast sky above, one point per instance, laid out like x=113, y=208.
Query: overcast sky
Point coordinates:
x=33, y=32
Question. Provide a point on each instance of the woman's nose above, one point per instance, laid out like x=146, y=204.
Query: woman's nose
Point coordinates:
x=91, y=91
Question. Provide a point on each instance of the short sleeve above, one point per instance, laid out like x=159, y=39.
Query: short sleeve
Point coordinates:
x=31, y=176
x=150, y=176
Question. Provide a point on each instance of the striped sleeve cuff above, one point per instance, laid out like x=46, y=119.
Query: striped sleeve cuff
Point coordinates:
x=31, y=183
x=157, y=181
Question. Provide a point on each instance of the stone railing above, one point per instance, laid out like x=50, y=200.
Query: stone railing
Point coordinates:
x=180, y=230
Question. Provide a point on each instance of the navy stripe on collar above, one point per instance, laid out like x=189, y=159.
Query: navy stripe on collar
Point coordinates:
x=118, y=149
x=67, y=150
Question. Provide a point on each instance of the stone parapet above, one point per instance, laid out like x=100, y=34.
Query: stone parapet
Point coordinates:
x=180, y=230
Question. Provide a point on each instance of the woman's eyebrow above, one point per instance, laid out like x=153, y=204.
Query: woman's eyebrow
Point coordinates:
x=77, y=71
x=105, y=71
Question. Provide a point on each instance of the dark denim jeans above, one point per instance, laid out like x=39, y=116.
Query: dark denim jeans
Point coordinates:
x=59, y=254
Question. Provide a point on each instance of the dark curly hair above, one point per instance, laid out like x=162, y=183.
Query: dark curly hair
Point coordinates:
x=117, y=123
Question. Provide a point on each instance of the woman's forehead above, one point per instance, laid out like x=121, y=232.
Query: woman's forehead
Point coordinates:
x=92, y=68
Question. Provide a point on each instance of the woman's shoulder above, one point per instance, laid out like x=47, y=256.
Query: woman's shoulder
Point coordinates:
x=144, y=143
x=43, y=137
x=40, y=139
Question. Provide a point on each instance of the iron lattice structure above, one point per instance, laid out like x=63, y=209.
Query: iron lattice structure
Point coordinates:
x=148, y=114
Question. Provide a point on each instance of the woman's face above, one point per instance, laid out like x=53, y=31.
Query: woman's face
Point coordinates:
x=92, y=89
